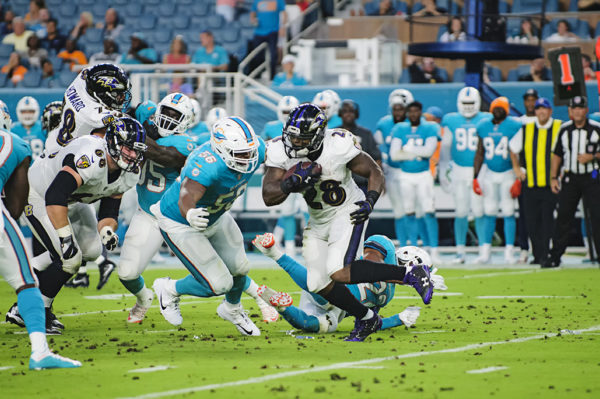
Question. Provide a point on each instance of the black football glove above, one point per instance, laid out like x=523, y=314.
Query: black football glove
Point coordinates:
x=151, y=130
x=301, y=178
x=365, y=208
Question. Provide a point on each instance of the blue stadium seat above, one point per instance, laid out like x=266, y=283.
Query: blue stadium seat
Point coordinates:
x=180, y=22
x=215, y=22
x=198, y=22
x=494, y=73
x=3, y=80
x=153, y=2
x=405, y=77
x=93, y=48
x=200, y=10
x=120, y=3
x=65, y=77
x=67, y=12
x=160, y=37
x=6, y=50
x=93, y=35
x=32, y=79
x=597, y=31
x=237, y=49
x=244, y=21
x=534, y=6
x=53, y=3
x=229, y=35
x=147, y=22
x=573, y=5
x=166, y=9
x=98, y=11
x=503, y=7
x=515, y=73
x=247, y=34
x=132, y=10
x=57, y=63
x=185, y=2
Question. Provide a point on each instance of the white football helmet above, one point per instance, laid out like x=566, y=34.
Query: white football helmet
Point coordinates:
x=324, y=101
x=174, y=114
x=234, y=140
x=5, y=122
x=337, y=101
x=285, y=106
x=197, y=112
x=28, y=110
x=468, y=101
x=412, y=256
x=215, y=114
x=400, y=96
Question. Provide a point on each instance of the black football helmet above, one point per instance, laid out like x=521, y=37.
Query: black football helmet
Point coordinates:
x=304, y=131
x=126, y=133
x=52, y=115
x=109, y=85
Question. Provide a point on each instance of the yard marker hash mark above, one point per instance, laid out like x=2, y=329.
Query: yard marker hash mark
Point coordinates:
x=487, y=370
x=343, y=365
x=152, y=369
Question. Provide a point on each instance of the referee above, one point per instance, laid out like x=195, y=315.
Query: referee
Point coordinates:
x=531, y=149
x=577, y=150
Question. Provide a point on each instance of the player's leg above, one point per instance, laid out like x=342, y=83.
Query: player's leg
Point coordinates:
x=409, y=186
x=425, y=199
x=16, y=269
x=142, y=241
x=490, y=208
x=394, y=191
x=269, y=314
x=507, y=206
x=287, y=220
x=461, y=191
x=85, y=229
x=477, y=212
x=305, y=315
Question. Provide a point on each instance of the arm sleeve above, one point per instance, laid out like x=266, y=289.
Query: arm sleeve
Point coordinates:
x=61, y=188
x=109, y=208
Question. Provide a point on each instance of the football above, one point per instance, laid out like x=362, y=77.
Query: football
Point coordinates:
x=303, y=165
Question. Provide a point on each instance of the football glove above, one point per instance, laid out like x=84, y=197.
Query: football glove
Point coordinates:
x=301, y=178
x=109, y=239
x=71, y=255
x=364, y=208
x=197, y=218
x=515, y=189
x=476, y=187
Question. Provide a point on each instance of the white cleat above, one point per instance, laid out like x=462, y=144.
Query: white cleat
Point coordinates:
x=279, y=300
x=509, y=258
x=235, y=315
x=138, y=312
x=409, y=316
x=51, y=360
x=268, y=246
x=524, y=256
x=269, y=313
x=169, y=303
x=459, y=260
x=485, y=254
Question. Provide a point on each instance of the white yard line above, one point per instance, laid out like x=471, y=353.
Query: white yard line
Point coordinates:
x=428, y=332
x=367, y=367
x=344, y=365
x=152, y=369
x=486, y=370
x=6, y=368
x=524, y=297
x=493, y=274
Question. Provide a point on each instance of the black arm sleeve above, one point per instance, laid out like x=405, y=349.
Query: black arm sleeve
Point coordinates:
x=61, y=189
x=109, y=208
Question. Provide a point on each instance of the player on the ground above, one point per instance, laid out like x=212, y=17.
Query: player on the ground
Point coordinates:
x=397, y=101
x=15, y=267
x=319, y=163
x=86, y=170
x=497, y=182
x=194, y=220
x=329, y=102
x=314, y=313
x=198, y=126
x=29, y=127
x=459, y=144
x=413, y=143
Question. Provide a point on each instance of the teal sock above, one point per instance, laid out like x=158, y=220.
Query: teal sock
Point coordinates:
x=133, y=286
x=400, y=228
x=299, y=319
x=490, y=227
x=235, y=293
x=480, y=229
x=432, y=229
x=423, y=232
x=461, y=226
x=510, y=230
x=31, y=308
x=392, y=321
x=190, y=286
x=413, y=229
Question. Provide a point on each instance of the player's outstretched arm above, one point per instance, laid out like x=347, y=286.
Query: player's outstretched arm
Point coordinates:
x=363, y=165
x=166, y=156
x=17, y=189
x=271, y=189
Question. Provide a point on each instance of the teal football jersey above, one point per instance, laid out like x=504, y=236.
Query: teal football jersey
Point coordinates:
x=34, y=136
x=13, y=150
x=464, y=136
x=495, y=140
x=417, y=135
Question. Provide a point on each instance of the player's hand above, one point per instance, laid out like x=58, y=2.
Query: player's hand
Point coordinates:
x=476, y=187
x=109, y=239
x=71, y=255
x=362, y=213
x=521, y=174
x=555, y=186
x=197, y=218
x=151, y=130
x=437, y=280
x=301, y=178
x=515, y=189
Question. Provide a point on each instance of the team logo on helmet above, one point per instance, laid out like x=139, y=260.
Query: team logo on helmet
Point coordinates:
x=109, y=82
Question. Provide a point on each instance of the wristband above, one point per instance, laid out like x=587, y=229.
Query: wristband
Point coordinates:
x=64, y=231
x=372, y=196
x=554, y=178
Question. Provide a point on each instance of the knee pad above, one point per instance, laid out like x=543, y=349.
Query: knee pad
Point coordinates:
x=222, y=285
x=127, y=271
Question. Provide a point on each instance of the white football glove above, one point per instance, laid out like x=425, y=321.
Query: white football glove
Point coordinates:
x=197, y=218
x=71, y=254
x=437, y=280
x=109, y=239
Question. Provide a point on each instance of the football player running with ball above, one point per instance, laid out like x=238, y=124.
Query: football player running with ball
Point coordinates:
x=319, y=164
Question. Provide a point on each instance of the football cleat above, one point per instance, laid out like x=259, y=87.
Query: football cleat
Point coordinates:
x=51, y=360
x=274, y=298
x=418, y=278
x=269, y=313
x=52, y=321
x=105, y=268
x=79, y=280
x=267, y=244
x=235, y=315
x=459, y=260
x=13, y=316
x=364, y=328
x=409, y=316
x=169, y=304
x=138, y=312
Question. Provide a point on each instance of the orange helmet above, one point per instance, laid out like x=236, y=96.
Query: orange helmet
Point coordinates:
x=501, y=102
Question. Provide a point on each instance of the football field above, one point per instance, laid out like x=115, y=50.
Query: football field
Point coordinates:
x=496, y=332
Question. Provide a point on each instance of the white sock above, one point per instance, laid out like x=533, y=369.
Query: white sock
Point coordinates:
x=171, y=289
x=290, y=247
x=252, y=290
x=39, y=344
x=369, y=314
x=47, y=301
x=143, y=294
x=460, y=250
x=82, y=270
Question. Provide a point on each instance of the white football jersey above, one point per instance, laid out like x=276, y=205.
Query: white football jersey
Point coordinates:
x=89, y=156
x=335, y=190
x=81, y=115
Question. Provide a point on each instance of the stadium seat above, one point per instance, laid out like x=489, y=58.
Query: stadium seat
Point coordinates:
x=494, y=73
x=147, y=22
x=98, y=11
x=32, y=79
x=573, y=5
x=65, y=77
x=215, y=22
x=238, y=49
x=57, y=63
x=503, y=7
x=200, y=10
x=166, y=9
x=93, y=35
x=120, y=3
x=133, y=10
x=244, y=21
x=534, y=6
x=53, y=3
x=87, y=2
x=6, y=50
x=198, y=22
x=3, y=79
x=67, y=12
x=160, y=37
x=229, y=35
x=93, y=48
x=153, y=2
x=180, y=22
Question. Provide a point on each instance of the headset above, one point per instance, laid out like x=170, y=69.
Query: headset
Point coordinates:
x=352, y=104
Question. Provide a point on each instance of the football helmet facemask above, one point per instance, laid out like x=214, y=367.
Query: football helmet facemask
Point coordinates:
x=234, y=140
x=109, y=85
x=51, y=116
x=125, y=138
x=304, y=131
x=28, y=110
x=413, y=256
x=174, y=114
x=468, y=102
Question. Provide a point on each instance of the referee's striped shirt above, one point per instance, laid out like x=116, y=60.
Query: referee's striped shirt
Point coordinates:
x=573, y=141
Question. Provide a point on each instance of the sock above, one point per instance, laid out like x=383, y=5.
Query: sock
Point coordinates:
x=300, y=320
x=133, y=286
x=278, y=231
x=432, y=229
x=53, y=280
x=341, y=297
x=400, y=228
x=31, y=308
x=392, y=321
x=298, y=273
x=423, y=232
x=460, y=250
x=251, y=288
x=190, y=286
x=289, y=227
x=366, y=271
x=235, y=293
x=412, y=227
x=369, y=314
x=490, y=227
x=82, y=268
x=480, y=229
x=39, y=344
x=461, y=226
x=510, y=230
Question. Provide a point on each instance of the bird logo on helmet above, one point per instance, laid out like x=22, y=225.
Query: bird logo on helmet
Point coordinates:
x=304, y=131
x=125, y=139
x=109, y=85
x=234, y=140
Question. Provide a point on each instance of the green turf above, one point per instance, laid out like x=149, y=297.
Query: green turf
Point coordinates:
x=208, y=350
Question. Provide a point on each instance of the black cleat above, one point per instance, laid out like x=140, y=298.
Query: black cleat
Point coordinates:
x=106, y=268
x=80, y=280
x=52, y=321
x=13, y=316
x=364, y=328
